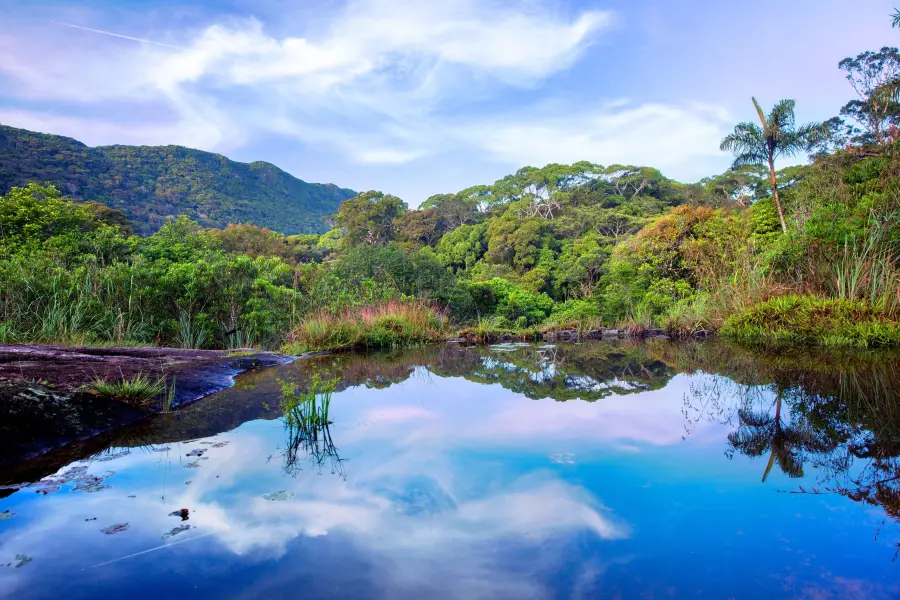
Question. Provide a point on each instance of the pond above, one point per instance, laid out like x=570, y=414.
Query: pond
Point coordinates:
x=594, y=470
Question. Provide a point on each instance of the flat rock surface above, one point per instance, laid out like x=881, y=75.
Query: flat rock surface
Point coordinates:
x=67, y=369
x=43, y=405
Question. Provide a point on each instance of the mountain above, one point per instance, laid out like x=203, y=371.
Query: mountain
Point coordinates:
x=151, y=183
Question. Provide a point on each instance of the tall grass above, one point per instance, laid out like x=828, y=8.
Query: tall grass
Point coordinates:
x=868, y=270
x=638, y=321
x=190, y=333
x=385, y=325
x=689, y=317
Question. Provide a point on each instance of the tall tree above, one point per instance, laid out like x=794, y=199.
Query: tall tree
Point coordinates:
x=868, y=73
x=777, y=136
x=369, y=218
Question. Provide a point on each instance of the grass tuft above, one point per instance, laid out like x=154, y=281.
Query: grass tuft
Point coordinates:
x=139, y=391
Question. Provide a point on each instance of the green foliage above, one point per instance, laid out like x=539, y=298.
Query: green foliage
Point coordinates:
x=574, y=311
x=517, y=306
x=369, y=218
x=150, y=184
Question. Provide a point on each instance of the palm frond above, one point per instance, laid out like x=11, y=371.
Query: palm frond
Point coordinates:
x=895, y=18
x=782, y=116
x=759, y=111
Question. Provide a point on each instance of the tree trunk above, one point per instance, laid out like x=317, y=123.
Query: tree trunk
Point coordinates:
x=775, y=192
x=777, y=432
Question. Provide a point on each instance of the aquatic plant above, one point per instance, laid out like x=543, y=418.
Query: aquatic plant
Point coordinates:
x=305, y=415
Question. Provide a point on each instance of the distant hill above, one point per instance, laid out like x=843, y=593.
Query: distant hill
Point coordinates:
x=151, y=183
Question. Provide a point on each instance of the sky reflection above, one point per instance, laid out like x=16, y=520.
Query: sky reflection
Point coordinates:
x=451, y=488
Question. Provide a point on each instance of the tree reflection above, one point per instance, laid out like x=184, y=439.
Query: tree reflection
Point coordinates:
x=843, y=420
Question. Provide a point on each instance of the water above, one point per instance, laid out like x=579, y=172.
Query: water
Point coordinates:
x=601, y=470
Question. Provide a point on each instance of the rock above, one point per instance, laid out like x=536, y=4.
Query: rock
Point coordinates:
x=609, y=333
x=35, y=417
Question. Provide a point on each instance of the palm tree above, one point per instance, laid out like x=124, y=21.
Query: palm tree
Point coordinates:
x=778, y=136
x=759, y=432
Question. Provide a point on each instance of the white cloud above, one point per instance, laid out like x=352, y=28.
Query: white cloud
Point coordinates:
x=666, y=137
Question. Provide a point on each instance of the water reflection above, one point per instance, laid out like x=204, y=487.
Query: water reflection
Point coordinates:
x=583, y=470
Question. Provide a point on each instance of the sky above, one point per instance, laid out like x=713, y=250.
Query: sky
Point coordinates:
x=413, y=97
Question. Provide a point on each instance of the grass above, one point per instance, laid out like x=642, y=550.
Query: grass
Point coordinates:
x=388, y=325
x=793, y=320
x=139, y=391
x=689, y=318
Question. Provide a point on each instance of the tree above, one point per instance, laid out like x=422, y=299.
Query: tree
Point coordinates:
x=778, y=136
x=868, y=73
x=369, y=218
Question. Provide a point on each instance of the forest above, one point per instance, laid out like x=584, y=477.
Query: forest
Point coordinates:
x=150, y=183
x=803, y=255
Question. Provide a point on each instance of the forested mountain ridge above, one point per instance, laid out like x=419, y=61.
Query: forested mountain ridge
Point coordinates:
x=152, y=183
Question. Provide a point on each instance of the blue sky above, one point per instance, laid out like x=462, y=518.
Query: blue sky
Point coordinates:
x=416, y=98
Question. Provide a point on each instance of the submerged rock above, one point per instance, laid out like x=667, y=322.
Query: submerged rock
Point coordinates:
x=279, y=496
x=176, y=530
x=6, y=514
x=118, y=527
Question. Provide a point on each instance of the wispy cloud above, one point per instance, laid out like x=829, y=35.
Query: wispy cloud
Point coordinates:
x=379, y=82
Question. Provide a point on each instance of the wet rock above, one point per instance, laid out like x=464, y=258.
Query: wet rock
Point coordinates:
x=197, y=452
x=6, y=514
x=118, y=527
x=184, y=513
x=47, y=490
x=609, y=333
x=192, y=465
x=91, y=519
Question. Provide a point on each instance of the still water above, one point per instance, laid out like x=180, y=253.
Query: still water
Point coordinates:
x=596, y=470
